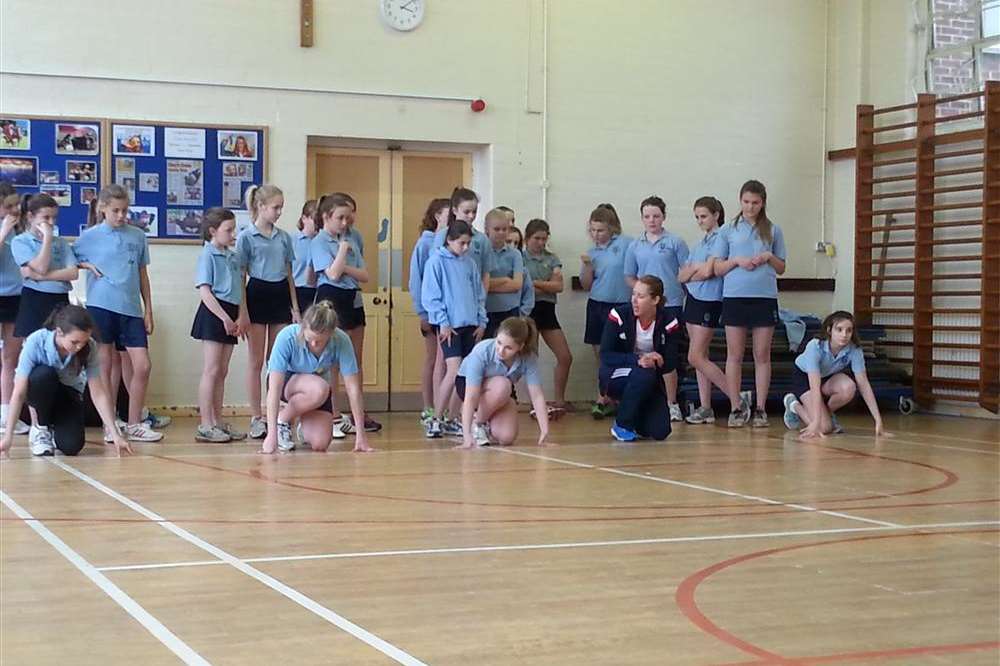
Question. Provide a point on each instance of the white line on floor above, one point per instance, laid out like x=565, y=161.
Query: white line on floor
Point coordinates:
x=554, y=546
x=695, y=486
x=128, y=604
x=309, y=604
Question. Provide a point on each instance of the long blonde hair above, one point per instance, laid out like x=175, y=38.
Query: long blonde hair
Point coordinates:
x=260, y=194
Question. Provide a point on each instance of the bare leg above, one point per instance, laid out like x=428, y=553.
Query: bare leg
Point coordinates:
x=556, y=340
x=212, y=375
x=427, y=372
x=700, y=338
x=256, y=348
x=762, y=336
x=141, y=367
x=736, y=340
x=8, y=359
x=219, y=391
x=448, y=385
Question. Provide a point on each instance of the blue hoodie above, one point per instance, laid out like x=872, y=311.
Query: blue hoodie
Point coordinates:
x=418, y=260
x=452, y=290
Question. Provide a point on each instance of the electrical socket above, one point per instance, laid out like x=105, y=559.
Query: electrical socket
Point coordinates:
x=820, y=247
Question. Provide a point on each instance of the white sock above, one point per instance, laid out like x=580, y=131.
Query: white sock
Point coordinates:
x=4, y=410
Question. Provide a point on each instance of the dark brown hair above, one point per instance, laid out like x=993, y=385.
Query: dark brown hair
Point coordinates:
x=831, y=320
x=429, y=223
x=213, y=219
x=32, y=203
x=68, y=318
x=459, y=196
x=330, y=202
x=607, y=216
x=654, y=284
x=763, y=222
x=654, y=201
x=534, y=226
x=713, y=206
x=308, y=210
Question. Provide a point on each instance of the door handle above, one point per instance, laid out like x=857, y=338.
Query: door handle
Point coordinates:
x=376, y=301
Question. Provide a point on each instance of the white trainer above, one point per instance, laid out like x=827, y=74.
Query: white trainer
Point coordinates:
x=140, y=432
x=41, y=441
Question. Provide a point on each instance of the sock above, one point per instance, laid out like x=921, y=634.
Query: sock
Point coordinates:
x=4, y=409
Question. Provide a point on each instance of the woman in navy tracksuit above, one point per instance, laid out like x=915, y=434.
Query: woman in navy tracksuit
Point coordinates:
x=638, y=347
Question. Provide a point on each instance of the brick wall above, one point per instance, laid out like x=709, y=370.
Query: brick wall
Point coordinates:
x=955, y=73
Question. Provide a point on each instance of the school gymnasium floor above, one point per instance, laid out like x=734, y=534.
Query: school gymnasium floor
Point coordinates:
x=716, y=547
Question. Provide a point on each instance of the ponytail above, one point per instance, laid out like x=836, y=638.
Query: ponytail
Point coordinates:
x=459, y=196
x=320, y=317
x=258, y=194
x=713, y=206
x=523, y=331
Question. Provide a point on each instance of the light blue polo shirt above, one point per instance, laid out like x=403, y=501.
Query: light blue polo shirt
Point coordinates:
x=662, y=258
x=266, y=257
x=540, y=267
x=291, y=355
x=303, y=259
x=817, y=358
x=220, y=269
x=324, y=251
x=483, y=363
x=504, y=263
x=741, y=239
x=26, y=247
x=479, y=248
x=10, y=272
x=40, y=349
x=609, y=271
x=118, y=253
x=710, y=289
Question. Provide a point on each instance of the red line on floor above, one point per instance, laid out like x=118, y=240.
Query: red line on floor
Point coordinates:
x=685, y=594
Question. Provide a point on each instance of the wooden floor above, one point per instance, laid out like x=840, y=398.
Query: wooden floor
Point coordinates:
x=715, y=547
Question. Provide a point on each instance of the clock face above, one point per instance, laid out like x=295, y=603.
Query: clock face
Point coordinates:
x=402, y=14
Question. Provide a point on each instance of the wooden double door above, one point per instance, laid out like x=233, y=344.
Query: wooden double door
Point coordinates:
x=392, y=189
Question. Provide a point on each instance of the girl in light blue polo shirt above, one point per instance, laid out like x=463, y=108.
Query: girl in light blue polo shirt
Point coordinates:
x=266, y=252
x=828, y=373
x=118, y=298
x=435, y=218
x=602, y=271
x=660, y=253
x=48, y=264
x=302, y=270
x=220, y=320
x=751, y=257
x=298, y=374
x=702, y=309
x=10, y=298
x=503, y=297
x=486, y=381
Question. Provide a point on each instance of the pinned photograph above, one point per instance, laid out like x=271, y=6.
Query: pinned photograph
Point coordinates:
x=183, y=222
x=149, y=182
x=145, y=218
x=87, y=194
x=237, y=145
x=139, y=140
x=124, y=166
x=185, y=182
x=19, y=171
x=81, y=172
x=63, y=194
x=240, y=170
x=76, y=139
x=49, y=177
x=232, y=189
x=16, y=134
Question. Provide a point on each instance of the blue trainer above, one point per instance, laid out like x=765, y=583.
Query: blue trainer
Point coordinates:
x=623, y=434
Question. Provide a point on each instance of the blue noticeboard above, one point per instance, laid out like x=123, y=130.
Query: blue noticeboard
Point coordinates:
x=59, y=156
x=174, y=172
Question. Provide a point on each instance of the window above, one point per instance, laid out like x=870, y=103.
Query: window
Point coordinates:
x=963, y=49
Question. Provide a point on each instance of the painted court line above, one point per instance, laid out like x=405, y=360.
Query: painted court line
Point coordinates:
x=309, y=604
x=551, y=546
x=695, y=486
x=898, y=440
x=128, y=604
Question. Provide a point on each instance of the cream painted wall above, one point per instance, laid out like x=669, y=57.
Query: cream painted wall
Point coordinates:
x=679, y=98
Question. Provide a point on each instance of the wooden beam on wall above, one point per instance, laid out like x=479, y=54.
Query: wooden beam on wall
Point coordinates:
x=306, y=23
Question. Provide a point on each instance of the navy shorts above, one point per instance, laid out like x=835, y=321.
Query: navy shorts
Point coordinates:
x=325, y=406
x=34, y=309
x=462, y=342
x=544, y=315
x=118, y=329
x=494, y=319
x=207, y=326
x=306, y=297
x=269, y=302
x=750, y=312
x=800, y=380
x=348, y=316
x=702, y=313
x=8, y=308
x=597, y=315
